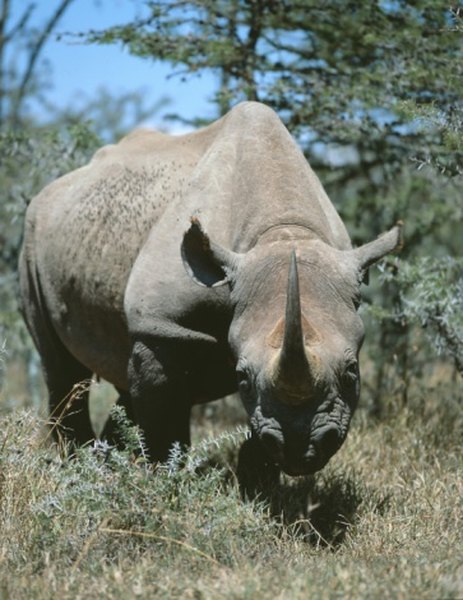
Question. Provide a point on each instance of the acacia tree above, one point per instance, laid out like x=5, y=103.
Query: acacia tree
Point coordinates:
x=338, y=72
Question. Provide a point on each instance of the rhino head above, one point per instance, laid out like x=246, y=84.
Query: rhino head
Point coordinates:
x=295, y=335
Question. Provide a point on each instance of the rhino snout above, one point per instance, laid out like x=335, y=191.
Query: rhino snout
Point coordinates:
x=318, y=450
x=299, y=454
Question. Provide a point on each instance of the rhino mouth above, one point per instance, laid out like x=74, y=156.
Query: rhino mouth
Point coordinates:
x=302, y=448
x=320, y=449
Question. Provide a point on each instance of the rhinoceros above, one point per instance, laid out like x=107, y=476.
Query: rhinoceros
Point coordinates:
x=182, y=268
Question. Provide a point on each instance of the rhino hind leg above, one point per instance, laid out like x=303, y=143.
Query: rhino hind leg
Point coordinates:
x=68, y=384
x=67, y=380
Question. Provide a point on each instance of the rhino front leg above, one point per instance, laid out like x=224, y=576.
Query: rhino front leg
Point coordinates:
x=111, y=432
x=160, y=398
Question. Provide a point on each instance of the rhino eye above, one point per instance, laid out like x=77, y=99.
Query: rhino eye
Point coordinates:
x=243, y=381
x=351, y=371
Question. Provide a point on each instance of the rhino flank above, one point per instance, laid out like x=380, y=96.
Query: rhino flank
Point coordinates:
x=183, y=268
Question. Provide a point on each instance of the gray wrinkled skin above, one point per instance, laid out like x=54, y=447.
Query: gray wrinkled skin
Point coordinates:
x=164, y=266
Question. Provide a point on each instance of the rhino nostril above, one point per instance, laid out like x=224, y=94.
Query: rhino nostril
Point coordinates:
x=329, y=442
x=272, y=443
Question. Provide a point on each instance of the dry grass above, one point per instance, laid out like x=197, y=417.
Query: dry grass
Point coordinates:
x=383, y=520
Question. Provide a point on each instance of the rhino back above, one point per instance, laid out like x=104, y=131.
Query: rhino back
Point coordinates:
x=253, y=177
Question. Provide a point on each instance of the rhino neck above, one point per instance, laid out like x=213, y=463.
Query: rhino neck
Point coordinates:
x=255, y=172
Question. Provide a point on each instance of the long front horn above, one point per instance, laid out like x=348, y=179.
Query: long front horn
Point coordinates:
x=293, y=366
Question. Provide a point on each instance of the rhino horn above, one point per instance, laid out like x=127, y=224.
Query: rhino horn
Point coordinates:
x=293, y=369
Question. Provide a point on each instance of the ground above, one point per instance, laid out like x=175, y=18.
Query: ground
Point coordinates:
x=383, y=519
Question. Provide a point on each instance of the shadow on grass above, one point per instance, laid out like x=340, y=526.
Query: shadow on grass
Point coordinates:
x=320, y=508
x=319, y=511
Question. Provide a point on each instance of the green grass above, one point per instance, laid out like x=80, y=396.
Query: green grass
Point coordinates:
x=383, y=520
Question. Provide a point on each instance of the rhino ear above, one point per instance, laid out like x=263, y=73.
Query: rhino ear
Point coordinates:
x=369, y=253
x=207, y=263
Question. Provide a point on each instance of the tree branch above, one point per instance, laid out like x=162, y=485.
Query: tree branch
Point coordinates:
x=34, y=56
x=453, y=341
x=20, y=25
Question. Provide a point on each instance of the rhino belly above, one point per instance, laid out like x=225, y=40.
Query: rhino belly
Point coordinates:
x=97, y=337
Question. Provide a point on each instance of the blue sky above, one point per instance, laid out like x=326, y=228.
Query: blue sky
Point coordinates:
x=77, y=67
